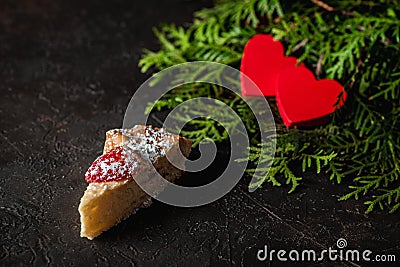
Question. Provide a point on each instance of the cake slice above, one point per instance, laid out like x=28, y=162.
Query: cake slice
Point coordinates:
x=112, y=194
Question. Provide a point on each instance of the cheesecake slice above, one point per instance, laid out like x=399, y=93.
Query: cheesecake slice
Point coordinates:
x=112, y=194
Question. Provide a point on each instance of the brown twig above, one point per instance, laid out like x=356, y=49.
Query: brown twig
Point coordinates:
x=300, y=45
x=330, y=8
x=318, y=70
x=323, y=5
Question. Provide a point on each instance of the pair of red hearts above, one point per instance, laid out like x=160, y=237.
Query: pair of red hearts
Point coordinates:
x=302, y=100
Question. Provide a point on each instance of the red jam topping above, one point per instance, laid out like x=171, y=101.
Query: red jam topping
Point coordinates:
x=116, y=165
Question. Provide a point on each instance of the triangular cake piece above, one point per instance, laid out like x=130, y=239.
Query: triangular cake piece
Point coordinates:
x=112, y=194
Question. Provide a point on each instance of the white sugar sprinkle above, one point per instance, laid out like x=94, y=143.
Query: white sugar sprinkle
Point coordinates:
x=142, y=144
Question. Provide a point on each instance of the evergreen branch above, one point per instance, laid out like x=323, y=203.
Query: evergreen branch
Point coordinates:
x=355, y=42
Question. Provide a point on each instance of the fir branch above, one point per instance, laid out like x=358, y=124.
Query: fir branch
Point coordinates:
x=355, y=42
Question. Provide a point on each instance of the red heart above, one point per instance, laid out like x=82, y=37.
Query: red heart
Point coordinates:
x=263, y=59
x=303, y=101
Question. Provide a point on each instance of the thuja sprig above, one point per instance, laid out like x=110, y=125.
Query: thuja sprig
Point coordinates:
x=355, y=42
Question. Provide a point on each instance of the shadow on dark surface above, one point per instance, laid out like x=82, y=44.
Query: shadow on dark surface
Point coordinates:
x=68, y=70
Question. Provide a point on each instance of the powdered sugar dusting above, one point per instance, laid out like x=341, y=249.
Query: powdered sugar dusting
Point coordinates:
x=113, y=166
x=128, y=150
x=151, y=142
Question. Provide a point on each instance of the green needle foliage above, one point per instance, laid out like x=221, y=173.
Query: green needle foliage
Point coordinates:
x=354, y=42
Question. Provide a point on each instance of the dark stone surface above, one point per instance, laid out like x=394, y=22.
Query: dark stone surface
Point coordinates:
x=67, y=72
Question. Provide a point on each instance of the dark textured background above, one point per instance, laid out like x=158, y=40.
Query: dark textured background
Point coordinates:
x=67, y=72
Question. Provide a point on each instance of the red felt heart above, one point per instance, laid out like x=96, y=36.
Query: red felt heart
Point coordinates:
x=303, y=101
x=262, y=61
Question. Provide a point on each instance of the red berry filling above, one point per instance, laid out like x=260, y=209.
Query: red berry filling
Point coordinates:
x=111, y=166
